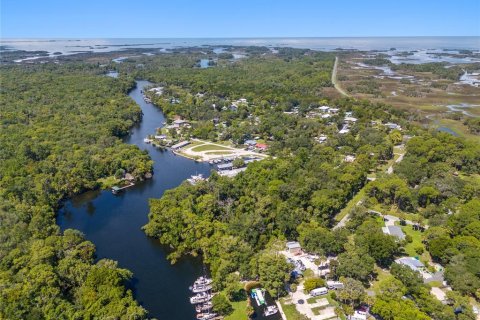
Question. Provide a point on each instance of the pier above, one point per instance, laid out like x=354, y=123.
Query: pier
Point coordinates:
x=117, y=189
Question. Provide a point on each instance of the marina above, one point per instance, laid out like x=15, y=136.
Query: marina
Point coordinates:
x=203, y=299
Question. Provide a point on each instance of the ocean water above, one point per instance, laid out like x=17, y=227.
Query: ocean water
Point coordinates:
x=71, y=46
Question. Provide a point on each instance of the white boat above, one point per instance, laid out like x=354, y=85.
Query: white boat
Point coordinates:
x=146, y=140
x=204, y=307
x=270, y=310
x=202, y=281
x=206, y=316
x=195, y=179
x=200, y=298
x=201, y=288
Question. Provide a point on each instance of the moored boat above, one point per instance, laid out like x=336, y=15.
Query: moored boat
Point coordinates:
x=203, y=281
x=204, y=307
x=200, y=298
x=206, y=316
x=194, y=179
x=201, y=288
x=270, y=310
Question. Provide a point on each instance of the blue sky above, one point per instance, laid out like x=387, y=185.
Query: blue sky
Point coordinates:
x=240, y=18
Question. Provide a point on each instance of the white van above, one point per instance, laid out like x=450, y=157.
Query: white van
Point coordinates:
x=318, y=291
x=334, y=285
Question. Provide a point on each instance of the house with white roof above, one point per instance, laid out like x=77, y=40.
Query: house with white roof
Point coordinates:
x=412, y=263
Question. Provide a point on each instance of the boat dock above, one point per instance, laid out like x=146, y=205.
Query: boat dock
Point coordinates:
x=116, y=189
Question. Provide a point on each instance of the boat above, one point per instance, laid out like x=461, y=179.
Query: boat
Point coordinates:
x=146, y=140
x=200, y=298
x=201, y=288
x=195, y=179
x=206, y=316
x=204, y=307
x=257, y=294
x=270, y=310
x=202, y=281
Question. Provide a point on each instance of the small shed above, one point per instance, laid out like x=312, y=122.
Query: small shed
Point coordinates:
x=129, y=177
x=294, y=247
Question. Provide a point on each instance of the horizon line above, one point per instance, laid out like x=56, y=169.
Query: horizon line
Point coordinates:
x=257, y=37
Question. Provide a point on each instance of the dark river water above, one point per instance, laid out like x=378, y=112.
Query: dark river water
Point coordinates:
x=113, y=223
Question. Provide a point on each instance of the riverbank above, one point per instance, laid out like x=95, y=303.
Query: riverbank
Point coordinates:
x=113, y=223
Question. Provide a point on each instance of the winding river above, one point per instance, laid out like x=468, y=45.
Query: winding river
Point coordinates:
x=113, y=223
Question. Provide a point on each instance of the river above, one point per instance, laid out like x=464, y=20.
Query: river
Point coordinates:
x=113, y=223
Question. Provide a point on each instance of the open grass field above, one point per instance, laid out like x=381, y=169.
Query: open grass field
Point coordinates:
x=290, y=311
x=208, y=147
x=416, y=241
x=221, y=153
x=239, y=311
x=352, y=203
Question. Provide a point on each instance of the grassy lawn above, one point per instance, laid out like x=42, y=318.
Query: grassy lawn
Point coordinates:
x=208, y=147
x=393, y=211
x=290, y=311
x=416, y=240
x=316, y=311
x=239, y=311
x=219, y=152
x=381, y=275
x=312, y=300
x=108, y=182
x=359, y=196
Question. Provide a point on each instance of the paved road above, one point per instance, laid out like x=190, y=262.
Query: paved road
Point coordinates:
x=334, y=79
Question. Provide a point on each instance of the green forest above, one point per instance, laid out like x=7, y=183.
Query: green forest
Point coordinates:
x=61, y=129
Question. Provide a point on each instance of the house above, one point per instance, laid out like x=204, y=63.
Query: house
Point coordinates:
x=129, y=177
x=350, y=119
x=158, y=91
x=349, y=158
x=324, y=108
x=344, y=130
x=161, y=137
x=261, y=146
x=322, y=138
x=412, y=263
x=333, y=110
x=392, y=126
x=326, y=116
x=348, y=114
x=294, y=247
x=395, y=231
x=180, y=123
x=242, y=100
x=250, y=142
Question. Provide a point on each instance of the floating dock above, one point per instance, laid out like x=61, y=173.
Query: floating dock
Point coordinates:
x=117, y=189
